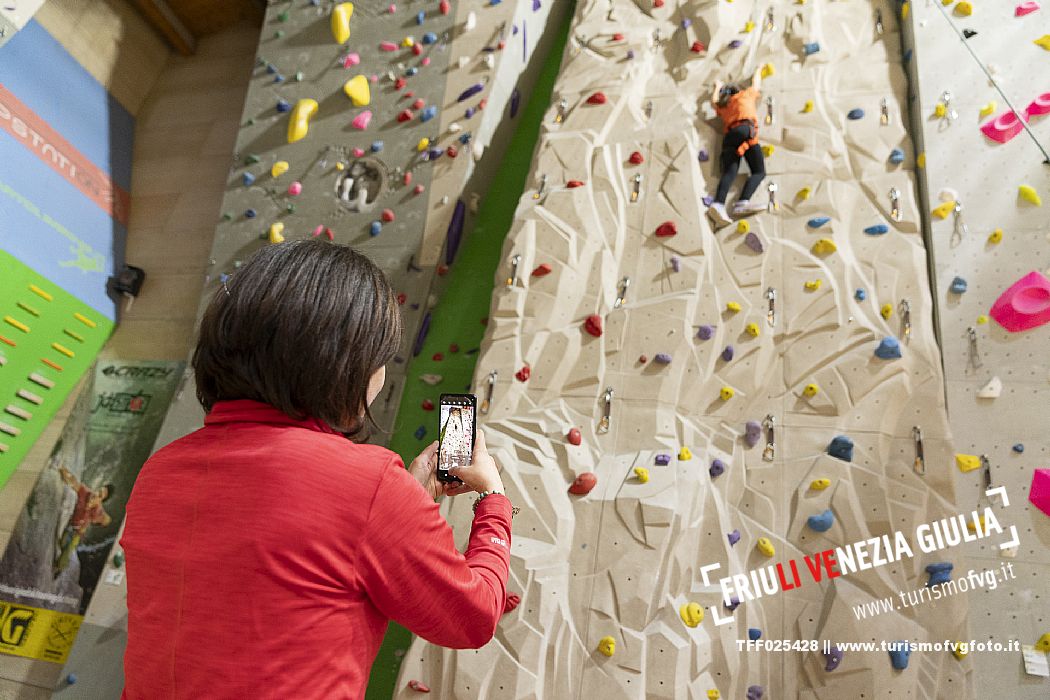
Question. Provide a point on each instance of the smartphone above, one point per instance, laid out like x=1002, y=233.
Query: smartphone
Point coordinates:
x=456, y=432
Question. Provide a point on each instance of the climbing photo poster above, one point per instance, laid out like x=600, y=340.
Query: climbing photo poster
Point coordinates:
x=62, y=539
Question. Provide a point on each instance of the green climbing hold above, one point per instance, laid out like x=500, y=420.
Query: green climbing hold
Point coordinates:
x=279, y=34
x=283, y=17
x=252, y=159
x=290, y=208
x=251, y=122
x=298, y=76
x=227, y=216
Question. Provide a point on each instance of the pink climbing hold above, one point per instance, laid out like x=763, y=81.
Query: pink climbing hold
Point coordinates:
x=1025, y=305
x=351, y=59
x=1039, y=491
x=392, y=9
x=425, y=61
x=361, y=120
x=1003, y=128
x=358, y=152
x=418, y=189
x=1039, y=106
x=1026, y=8
x=295, y=189
x=387, y=46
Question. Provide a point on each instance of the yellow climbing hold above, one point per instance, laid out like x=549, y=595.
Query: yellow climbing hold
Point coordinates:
x=752, y=329
x=1028, y=194
x=964, y=8
x=726, y=393
x=276, y=230
x=981, y=320
x=748, y=26
x=768, y=70
x=742, y=226
x=920, y=160
x=808, y=107
x=940, y=110
x=607, y=646
x=692, y=614
x=1043, y=644
x=971, y=525
x=812, y=285
x=341, y=15
x=408, y=42
x=713, y=694
x=642, y=473
x=811, y=390
x=989, y=109
x=358, y=91
x=905, y=10
x=422, y=145
x=886, y=311
x=947, y=2
x=767, y=150
x=733, y=307
x=279, y=168
x=299, y=118
x=960, y=650
x=765, y=546
x=820, y=484
x=941, y=211
x=684, y=454
x=1043, y=41
x=824, y=246
x=995, y=236
x=803, y=194
x=967, y=463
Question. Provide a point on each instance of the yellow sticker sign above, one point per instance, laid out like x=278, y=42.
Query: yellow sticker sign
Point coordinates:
x=37, y=633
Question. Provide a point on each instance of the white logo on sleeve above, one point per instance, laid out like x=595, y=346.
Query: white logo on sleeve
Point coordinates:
x=499, y=541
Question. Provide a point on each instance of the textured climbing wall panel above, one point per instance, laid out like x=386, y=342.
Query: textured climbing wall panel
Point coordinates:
x=621, y=560
x=984, y=176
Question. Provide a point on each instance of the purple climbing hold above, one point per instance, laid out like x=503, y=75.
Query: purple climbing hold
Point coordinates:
x=755, y=692
x=832, y=658
x=663, y=459
x=705, y=332
x=283, y=105
x=703, y=156
x=676, y=264
x=469, y=112
x=455, y=231
x=752, y=241
x=707, y=199
x=630, y=54
x=515, y=102
x=733, y=537
x=752, y=433
x=733, y=603
x=735, y=44
x=727, y=354
x=663, y=358
x=536, y=5
x=434, y=153
x=718, y=467
x=686, y=23
x=424, y=328
x=470, y=92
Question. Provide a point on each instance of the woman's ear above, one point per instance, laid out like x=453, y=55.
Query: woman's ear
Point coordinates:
x=375, y=385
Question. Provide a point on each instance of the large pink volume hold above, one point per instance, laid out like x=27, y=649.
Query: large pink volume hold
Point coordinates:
x=1025, y=305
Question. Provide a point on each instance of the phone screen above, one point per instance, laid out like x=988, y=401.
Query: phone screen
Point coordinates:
x=456, y=433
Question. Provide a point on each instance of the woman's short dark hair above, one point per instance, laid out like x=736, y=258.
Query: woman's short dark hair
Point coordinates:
x=727, y=91
x=301, y=326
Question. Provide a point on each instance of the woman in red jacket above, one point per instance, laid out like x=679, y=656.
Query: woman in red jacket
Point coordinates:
x=267, y=550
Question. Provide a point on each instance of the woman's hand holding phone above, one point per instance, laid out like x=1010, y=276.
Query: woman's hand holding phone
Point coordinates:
x=481, y=475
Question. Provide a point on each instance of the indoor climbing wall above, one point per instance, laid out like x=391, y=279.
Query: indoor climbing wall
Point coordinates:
x=977, y=63
x=665, y=397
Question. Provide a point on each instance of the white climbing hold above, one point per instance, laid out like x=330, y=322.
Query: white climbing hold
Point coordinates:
x=991, y=390
x=454, y=128
x=948, y=195
x=463, y=61
x=477, y=150
x=490, y=60
x=472, y=21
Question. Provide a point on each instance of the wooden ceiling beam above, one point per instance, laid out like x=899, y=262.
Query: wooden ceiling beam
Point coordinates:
x=168, y=25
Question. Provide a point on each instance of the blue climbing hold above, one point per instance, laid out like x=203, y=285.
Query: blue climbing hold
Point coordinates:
x=465, y=138
x=841, y=447
x=821, y=522
x=1018, y=448
x=855, y=114
x=430, y=38
x=376, y=146
x=940, y=572
x=818, y=221
x=283, y=105
x=278, y=78
x=877, y=229
x=249, y=213
x=420, y=432
x=495, y=2
x=958, y=285
x=428, y=113
x=907, y=56
x=421, y=17
x=753, y=633
x=899, y=655
x=889, y=348
x=248, y=179
x=376, y=228
x=705, y=332
x=896, y=156
x=860, y=295
x=717, y=468
x=412, y=71
x=71, y=678
x=811, y=48
x=727, y=354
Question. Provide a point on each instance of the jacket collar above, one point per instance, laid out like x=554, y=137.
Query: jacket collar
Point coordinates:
x=248, y=411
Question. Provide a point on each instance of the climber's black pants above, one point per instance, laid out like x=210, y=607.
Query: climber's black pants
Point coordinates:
x=731, y=162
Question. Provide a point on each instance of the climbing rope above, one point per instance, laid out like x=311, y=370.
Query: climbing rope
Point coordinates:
x=994, y=82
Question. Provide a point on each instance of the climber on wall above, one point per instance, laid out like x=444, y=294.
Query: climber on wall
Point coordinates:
x=738, y=110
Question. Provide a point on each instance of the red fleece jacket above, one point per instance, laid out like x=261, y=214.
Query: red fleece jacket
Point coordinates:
x=265, y=556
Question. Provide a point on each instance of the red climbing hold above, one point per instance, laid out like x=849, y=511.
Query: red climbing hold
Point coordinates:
x=513, y=599
x=583, y=483
x=666, y=229
x=407, y=178
x=658, y=3
x=618, y=36
x=453, y=348
x=402, y=298
x=416, y=50
x=574, y=436
x=329, y=234
x=485, y=321
x=697, y=47
x=452, y=152
x=418, y=189
x=444, y=7
x=541, y=270
x=428, y=405
x=523, y=374
x=483, y=102
x=387, y=215
x=593, y=325
x=400, y=83
x=597, y=98
x=419, y=104
x=437, y=357
x=637, y=158
x=405, y=115
x=409, y=94
x=442, y=269
x=418, y=687
x=572, y=184
x=643, y=359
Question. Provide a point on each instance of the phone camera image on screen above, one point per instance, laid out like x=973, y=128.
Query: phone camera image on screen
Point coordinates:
x=456, y=437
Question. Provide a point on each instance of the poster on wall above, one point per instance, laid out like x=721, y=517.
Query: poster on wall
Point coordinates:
x=61, y=542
